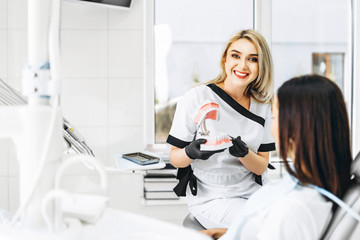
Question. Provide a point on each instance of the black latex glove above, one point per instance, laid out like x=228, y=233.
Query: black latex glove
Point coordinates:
x=193, y=150
x=239, y=148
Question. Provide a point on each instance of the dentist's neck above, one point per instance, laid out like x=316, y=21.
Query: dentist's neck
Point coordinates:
x=235, y=91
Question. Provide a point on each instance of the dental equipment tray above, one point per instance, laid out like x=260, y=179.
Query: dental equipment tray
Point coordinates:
x=141, y=158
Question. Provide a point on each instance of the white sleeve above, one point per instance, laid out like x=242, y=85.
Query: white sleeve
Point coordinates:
x=183, y=127
x=267, y=143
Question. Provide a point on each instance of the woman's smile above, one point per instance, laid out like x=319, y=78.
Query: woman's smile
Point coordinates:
x=241, y=75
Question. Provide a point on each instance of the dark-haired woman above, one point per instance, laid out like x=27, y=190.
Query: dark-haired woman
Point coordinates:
x=310, y=125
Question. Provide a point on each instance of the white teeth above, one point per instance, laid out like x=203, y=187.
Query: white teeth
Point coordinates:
x=217, y=138
x=240, y=74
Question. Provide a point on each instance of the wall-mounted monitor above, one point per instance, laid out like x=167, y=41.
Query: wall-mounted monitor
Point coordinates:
x=123, y=4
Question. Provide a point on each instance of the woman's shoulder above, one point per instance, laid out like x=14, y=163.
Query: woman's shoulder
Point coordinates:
x=201, y=88
x=198, y=89
x=193, y=97
x=196, y=94
x=304, y=192
x=262, y=109
x=305, y=198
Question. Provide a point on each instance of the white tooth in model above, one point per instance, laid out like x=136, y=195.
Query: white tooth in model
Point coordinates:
x=214, y=143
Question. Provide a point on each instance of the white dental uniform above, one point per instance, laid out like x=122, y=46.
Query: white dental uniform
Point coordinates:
x=223, y=183
x=282, y=210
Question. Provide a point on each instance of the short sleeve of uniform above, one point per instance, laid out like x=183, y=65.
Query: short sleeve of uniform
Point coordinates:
x=183, y=128
x=267, y=143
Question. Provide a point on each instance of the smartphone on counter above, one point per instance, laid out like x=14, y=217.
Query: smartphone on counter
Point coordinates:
x=141, y=158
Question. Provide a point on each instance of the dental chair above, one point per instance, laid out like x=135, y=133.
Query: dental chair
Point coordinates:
x=342, y=224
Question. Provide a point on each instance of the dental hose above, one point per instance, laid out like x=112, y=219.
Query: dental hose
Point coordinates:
x=42, y=162
x=54, y=57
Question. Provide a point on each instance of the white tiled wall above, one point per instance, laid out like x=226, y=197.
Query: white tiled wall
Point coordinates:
x=84, y=53
x=85, y=101
x=17, y=52
x=129, y=20
x=130, y=114
x=78, y=16
x=125, y=54
x=102, y=88
x=4, y=155
x=13, y=193
x=4, y=192
x=3, y=51
x=3, y=14
x=17, y=14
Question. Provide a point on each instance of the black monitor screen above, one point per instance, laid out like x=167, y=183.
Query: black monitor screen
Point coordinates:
x=120, y=3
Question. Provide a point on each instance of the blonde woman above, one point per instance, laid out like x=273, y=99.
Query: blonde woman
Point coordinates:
x=218, y=183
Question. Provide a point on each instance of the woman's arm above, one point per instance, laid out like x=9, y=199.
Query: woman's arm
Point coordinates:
x=256, y=162
x=178, y=157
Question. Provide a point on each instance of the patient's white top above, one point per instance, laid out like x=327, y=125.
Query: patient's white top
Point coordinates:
x=302, y=214
x=297, y=212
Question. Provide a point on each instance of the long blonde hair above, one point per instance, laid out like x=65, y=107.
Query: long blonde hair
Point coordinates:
x=263, y=85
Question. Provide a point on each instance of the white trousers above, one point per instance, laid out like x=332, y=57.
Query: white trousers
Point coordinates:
x=222, y=213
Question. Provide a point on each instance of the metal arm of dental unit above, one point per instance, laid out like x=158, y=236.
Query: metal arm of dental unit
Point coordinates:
x=10, y=97
x=36, y=127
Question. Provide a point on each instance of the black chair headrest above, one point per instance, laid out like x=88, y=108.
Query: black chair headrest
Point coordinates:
x=355, y=167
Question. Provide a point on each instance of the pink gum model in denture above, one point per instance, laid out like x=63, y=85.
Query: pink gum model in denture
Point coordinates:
x=214, y=143
x=210, y=110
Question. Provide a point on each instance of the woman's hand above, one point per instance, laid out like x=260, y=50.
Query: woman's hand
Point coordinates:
x=239, y=148
x=182, y=157
x=193, y=150
x=215, y=233
x=254, y=162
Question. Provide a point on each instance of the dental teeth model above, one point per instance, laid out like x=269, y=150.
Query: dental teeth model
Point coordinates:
x=214, y=143
x=207, y=111
x=210, y=110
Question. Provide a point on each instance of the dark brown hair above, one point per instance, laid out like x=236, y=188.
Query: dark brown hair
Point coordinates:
x=313, y=124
